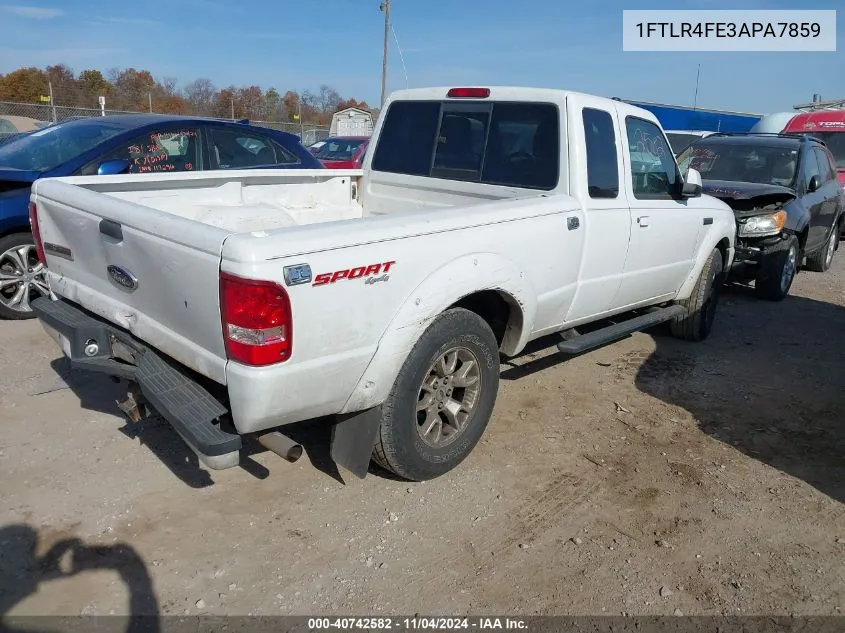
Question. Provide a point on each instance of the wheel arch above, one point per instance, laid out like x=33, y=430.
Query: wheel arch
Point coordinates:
x=723, y=244
x=485, y=283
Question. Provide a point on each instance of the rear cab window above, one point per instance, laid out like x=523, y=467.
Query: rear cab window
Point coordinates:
x=513, y=144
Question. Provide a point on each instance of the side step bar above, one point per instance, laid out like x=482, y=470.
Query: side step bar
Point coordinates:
x=612, y=333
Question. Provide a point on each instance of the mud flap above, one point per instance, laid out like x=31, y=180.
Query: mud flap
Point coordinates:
x=353, y=440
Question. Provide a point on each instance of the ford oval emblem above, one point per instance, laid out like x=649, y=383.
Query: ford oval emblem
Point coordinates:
x=123, y=277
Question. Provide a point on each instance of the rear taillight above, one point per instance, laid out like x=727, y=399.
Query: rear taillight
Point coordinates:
x=257, y=322
x=36, y=233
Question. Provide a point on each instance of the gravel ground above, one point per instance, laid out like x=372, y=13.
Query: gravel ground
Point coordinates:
x=648, y=477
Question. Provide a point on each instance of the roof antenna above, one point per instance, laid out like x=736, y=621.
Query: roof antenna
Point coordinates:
x=695, y=99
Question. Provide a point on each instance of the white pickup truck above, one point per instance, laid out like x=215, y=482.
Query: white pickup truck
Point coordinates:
x=238, y=302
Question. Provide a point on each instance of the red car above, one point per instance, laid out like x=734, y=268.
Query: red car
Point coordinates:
x=343, y=152
x=829, y=126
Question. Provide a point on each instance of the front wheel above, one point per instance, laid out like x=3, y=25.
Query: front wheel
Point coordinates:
x=442, y=399
x=777, y=270
x=21, y=276
x=701, y=304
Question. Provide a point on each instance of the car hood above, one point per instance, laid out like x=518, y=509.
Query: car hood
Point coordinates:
x=729, y=190
x=748, y=198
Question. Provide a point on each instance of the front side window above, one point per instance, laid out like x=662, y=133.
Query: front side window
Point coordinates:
x=157, y=151
x=811, y=168
x=654, y=173
x=512, y=144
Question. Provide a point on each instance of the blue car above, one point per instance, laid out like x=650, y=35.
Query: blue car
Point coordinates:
x=131, y=143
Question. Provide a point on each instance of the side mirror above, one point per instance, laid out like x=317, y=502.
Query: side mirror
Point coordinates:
x=814, y=184
x=692, y=184
x=113, y=167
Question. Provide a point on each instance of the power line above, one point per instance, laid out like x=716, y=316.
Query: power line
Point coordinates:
x=401, y=57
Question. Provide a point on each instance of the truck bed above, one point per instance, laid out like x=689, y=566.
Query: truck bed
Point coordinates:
x=242, y=202
x=174, y=233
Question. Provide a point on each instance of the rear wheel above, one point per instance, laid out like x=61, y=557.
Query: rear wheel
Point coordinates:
x=701, y=305
x=21, y=276
x=820, y=262
x=778, y=270
x=442, y=398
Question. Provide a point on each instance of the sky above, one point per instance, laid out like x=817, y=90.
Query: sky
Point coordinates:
x=301, y=45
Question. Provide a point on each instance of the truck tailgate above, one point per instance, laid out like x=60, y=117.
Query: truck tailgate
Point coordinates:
x=150, y=272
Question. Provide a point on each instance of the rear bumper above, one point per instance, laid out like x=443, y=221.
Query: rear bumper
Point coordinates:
x=93, y=344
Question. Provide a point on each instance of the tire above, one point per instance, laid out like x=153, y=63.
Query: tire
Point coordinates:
x=820, y=262
x=778, y=270
x=402, y=445
x=18, y=259
x=701, y=304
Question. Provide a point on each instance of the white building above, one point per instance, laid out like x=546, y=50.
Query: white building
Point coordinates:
x=351, y=122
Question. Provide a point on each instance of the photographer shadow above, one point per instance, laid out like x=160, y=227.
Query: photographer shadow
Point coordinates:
x=769, y=382
x=22, y=571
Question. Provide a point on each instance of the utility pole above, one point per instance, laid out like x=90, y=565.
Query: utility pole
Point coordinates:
x=301, y=124
x=150, y=98
x=232, y=102
x=52, y=102
x=385, y=6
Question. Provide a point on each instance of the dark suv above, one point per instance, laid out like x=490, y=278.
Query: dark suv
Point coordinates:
x=788, y=204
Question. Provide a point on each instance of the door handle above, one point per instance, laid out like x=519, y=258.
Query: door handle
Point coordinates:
x=111, y=228
x=572, y=223
x=642, y=221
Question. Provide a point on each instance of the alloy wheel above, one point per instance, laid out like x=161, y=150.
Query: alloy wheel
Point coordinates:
x=448, y=397
x=21, y=278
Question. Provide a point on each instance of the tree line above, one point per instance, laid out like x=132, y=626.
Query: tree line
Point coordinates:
x=130, y=89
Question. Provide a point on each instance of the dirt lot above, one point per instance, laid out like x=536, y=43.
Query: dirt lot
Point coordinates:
x=649, y=477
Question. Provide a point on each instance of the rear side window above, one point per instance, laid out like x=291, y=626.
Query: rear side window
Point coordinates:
x=513, y=144
x=235, y=149
x=602, y=161
x=827, y=173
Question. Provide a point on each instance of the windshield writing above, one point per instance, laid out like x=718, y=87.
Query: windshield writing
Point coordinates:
x=742, y=163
